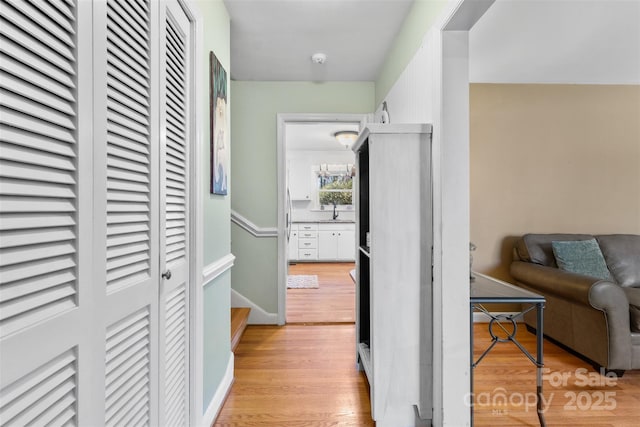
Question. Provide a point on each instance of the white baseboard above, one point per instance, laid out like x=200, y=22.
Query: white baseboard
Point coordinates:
x=219, y=397
x=257, y=316
x=480, y=317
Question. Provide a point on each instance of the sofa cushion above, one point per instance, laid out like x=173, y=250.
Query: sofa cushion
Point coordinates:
x=633, y=295
x=581, y=257
x=622, y=254
x=536, y=248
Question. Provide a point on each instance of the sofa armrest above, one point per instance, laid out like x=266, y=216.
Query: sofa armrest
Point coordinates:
x=550, y=280
x=612, y=300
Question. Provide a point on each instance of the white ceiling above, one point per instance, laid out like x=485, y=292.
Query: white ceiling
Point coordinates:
x=316, y=136
x=273, y=40
x=561, y=41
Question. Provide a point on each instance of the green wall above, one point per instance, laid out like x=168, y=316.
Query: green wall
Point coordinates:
x=216, y=229
x=254, y=169
x=420, y=19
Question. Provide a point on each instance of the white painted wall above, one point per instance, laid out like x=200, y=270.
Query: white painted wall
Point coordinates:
x=417, y=97
x=564, y=41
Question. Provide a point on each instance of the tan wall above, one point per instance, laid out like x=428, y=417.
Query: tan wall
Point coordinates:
x=551, y=158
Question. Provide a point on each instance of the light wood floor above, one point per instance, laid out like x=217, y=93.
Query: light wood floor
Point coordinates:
x=300, y=375
x=332, y=302
x=297, y=375
x=582, y=398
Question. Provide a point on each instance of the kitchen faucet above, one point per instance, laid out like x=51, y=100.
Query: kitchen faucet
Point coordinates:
x=335, y=212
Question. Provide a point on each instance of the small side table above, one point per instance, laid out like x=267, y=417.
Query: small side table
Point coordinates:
x=487, y=290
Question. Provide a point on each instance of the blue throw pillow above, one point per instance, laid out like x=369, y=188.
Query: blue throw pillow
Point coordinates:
x=581, y=257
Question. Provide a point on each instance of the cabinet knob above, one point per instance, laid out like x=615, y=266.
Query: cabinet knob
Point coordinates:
x=166, y=275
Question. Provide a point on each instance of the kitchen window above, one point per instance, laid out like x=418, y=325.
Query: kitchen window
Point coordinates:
x=335, y=185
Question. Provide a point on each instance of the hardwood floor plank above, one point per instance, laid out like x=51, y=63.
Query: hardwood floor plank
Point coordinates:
x=297, y=375
x=334, y=300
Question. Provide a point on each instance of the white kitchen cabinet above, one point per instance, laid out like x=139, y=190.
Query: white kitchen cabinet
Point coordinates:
x=347, y=245
x=307, y=242
x=336, y=242
x=393, y=271
x=300, y=181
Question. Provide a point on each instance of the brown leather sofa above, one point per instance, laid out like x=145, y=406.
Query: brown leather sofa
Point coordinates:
x=590, y=316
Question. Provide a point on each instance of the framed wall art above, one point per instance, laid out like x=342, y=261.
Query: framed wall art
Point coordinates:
x=218, y=126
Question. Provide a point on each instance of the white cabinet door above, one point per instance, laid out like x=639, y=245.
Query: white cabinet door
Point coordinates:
x=346, y=245
x=327, y=245
x=300, y=181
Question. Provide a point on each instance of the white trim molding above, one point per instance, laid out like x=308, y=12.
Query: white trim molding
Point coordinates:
x=216, y=268
x=249, y=226
x=214, y=407
x=257, y=316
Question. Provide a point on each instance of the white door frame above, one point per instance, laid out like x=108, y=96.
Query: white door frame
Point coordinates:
x=283, y=119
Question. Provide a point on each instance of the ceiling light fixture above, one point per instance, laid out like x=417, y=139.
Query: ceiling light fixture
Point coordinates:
x=346, y=137
x=319, y=58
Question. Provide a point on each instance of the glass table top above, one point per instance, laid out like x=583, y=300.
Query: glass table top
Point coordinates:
x=488, y=289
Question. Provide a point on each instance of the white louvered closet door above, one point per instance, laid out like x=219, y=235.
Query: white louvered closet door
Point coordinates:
x=126, y=176
x=45, y=285
x=175, y=80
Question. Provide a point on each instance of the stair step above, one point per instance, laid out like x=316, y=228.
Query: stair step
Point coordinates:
x=239, y=317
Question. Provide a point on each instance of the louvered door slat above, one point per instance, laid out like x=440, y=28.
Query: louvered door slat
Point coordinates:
x=40, y=143
x=34, y=253
x=35, y=188
x=47, y=393
x=119, y=88
x=32, y=124
x=45, y=23
x=129, y=62
x=135, y=17
x=60, y=17
x=35, y=94
x=127, y=368
x=35, y=206
x=175, y=356
x=64, y=9
x=141, y=120
x=128, y=141
x=27, y=156
x=49, y=48
x=22, y=172
x=175, y=152
x=32, y=60
x=32, y=237
x=137, y=187
x=54, y=279
x=135, y=27
x=122, y=133
x=18, y=222
x=38, y=178
x=26, y=106
x=134, y=104
x=59, y=413
x=128, y=250
x=28, y=73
